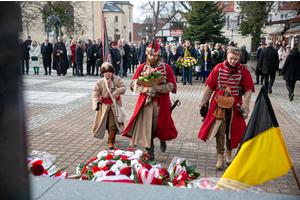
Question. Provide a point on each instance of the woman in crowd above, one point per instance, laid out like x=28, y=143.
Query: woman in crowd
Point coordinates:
x=34, y=54
x=281, y=52
x=286, y=54
x=291, y=71
x=206, y=60
x=73, y=47
x=174, y=55
x=122, y=53
x=199, y=51
x=228, y=123
x=132, y=57
x=244, y=55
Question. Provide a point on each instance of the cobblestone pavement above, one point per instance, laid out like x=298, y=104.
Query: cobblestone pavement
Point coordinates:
x=59, y=119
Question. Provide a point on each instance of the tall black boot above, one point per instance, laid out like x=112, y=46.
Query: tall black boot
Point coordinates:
x=151, y=157
x=163, y=146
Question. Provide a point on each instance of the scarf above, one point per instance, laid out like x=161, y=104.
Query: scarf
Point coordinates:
x=187, y=52
x=231, y=69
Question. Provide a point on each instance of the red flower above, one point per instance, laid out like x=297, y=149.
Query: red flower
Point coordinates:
x=104, y=168
x=157, y=181
x=84, y=178
x=95, y=169
x=111, y=173
x=147, y=156
x=37, y=169
x=109, y=157
x=184, y=176
x=126, y=171
x=165, y=173
x=130, y=149
x=124, y=157
x=146, y=165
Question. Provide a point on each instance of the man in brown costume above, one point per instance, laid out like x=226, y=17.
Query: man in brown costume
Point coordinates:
x=106, y=113
x=60, y=59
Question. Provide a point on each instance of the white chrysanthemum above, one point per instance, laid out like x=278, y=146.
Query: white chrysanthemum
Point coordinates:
x=78, y=172
x=102, y=154
x=102, y=163
x=129, y=154
x=138, y=153
x=118, y=152
x=133, y=162
x=120, y=165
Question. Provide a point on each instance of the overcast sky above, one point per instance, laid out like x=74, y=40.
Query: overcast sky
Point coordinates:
x=137, y=13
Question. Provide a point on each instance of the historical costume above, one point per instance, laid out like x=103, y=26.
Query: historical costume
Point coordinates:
x=46, y=51
x=35, y=52
x=233, y=126
x=152, y=114
x=60, y=59
x=106, y=118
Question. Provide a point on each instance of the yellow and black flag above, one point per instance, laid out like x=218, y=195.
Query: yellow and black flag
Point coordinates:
x=262, y=154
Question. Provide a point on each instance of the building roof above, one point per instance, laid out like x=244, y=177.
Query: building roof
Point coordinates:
x=277, y=31
x=288, y=5
x=227, y=8
x=111, y=7
x=295, y=29
x=122, y=2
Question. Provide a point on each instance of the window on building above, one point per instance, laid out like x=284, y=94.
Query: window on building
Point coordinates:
x=225, y=3
x=116, y=19
x=269, y=17
x=238, y=20
x=129, y=16
x=140, y=32
x=228, y=21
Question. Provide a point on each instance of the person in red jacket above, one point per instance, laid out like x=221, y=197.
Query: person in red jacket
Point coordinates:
x=73, y=47
x=226, y=76
x=152, y=114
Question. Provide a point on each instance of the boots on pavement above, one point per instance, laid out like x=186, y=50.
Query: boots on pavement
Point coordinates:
x=111, y=139
x=219, y=164
x=228, y=157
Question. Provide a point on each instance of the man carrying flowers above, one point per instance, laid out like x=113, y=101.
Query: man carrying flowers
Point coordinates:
x=152, y=114
x=187, y=71
x=106, y=101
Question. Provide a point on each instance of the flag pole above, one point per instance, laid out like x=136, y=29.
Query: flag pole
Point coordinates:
x=296, y=177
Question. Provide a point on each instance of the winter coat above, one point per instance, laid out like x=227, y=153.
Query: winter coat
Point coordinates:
x=258, y=71
x=244, y=56
x=78, y=55
x=142, y=53
x=90, y=52
x=132, y=56
x=68, y=45
x=174, y=58
x=63, y=59
x=285, y=55
x=166, y=58
x=115, y=57
x=209, y=64
x=269, y=61
x=280, y=55
x=127, y=51
x=101, y=116
x=73, y=48
x=35, y=52
x=291, y=68
x=46, y=52
x=218, y=59
x=24, y=51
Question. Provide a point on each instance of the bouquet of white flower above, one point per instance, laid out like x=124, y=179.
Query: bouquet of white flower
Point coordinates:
x=215, y=53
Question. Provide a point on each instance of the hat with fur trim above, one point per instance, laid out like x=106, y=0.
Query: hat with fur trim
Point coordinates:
x=153, y=49
x=107, y=67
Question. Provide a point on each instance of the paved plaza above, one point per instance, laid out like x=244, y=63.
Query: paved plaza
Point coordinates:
x=59, y=119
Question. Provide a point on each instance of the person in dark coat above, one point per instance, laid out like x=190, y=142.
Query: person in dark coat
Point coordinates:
x=90, y=61
x=98, y=54
x=206, y=66
x=174, y=55
x=131, y=57
x=269, y=63
x=79, y=59
x=60, y=59
x=258, y=71
x=142, y=51
x=189, y=51
x=46, y=51
x=125, y=57
x=291, y=71
x=166, y=55
x=216, y=59
x=24, y=48
x=115, y=57
x=244, y=55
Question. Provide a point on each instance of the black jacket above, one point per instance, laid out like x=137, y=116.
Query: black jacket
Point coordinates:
x=126, y=50
x=291, y=67
x=244, y=56
x=173, y=58
x=192, y=52
x=116, y=56
x=269, y=60
x=209, y=64
x=218, y=59
x=47, y=51
x=98, y=51
x=165, y=57
x=132, y=56
x=258, y=71
x=90, y=52
x=142, y=53
x=24, y=51
x=78, y=55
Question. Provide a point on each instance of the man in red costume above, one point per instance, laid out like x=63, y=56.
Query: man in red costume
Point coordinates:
x=226, y=76
x=152, y=114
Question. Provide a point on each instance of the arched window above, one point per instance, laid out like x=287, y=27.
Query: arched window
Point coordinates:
x=129, y=36
x=116, y=19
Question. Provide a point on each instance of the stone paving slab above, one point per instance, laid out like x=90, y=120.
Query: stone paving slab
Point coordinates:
x=64, y=130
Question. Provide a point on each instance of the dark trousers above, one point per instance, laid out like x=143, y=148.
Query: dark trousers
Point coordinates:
x=69, y=60
x=79, y=67
x=125, y=67
x=290, y=85
x=74, y=69
x=88, y=67
x=272, y=79
x=261, y=79
x=46, y=65
x=27, y=66
x=131, y=68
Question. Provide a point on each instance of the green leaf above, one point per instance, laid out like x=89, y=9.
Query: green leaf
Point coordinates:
x=183, y=164
x=51, y=165
x=58, y=171
x=190, y=169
